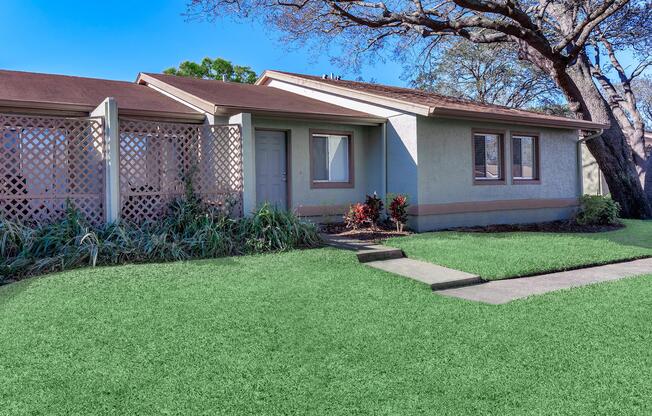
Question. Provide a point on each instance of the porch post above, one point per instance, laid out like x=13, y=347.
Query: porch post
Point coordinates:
x=109, y=110
x=248, y=161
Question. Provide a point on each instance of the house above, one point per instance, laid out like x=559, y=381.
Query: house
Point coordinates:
x=593, y=179
x=311, y=144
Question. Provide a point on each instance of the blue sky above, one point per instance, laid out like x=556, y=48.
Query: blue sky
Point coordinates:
x=117, y=39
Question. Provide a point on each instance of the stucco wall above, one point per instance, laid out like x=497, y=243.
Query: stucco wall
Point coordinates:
x=367, y=166
x=593, y=181
x=445, y=174
x=445, y=163
x=402, y=155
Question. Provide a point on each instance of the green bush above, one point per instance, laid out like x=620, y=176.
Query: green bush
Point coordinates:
x=597, y=210
x=189, y=231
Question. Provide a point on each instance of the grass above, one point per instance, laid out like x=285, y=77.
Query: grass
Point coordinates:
x=504, y=255
x=314, y=332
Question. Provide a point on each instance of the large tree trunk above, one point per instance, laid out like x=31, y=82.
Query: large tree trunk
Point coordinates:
x=611, y=150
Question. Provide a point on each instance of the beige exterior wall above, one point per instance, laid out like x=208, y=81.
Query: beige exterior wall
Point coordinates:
x=593, y=180
x=328, y=203
x=445, y=177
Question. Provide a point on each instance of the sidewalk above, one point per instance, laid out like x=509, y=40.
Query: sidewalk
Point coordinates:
x=502, y=291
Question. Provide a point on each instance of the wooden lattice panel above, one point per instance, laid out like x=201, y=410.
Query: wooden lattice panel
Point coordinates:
x=156, y=157
x=45, y=161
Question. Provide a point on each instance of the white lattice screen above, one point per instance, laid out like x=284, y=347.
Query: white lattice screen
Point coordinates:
x=156, y=157
x=45, y=161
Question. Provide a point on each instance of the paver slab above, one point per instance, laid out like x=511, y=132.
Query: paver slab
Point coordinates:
x=437, y=277
x=502, y=291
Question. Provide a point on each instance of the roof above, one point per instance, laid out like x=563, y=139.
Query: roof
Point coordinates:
x=427, y=103
x=230, y=97
x=62, y=92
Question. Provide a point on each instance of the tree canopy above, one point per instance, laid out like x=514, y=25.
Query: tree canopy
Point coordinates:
x=217, y=68
x=489, y=74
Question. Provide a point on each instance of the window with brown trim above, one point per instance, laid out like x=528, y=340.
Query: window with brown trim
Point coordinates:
x=331, y=159
x=488, y=157
x=525, y=157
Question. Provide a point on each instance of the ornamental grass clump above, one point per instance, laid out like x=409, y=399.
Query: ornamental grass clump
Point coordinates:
x=190, y=230
x=271, y=229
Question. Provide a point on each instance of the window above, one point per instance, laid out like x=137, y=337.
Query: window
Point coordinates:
x=331, y=160
x=525, y=158
x=488, y=157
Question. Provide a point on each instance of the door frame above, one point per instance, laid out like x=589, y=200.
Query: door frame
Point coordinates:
x=288, y=161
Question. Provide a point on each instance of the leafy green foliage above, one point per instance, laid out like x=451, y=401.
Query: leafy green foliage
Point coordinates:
x=598, y=210
x=188, y=231
x=214, y=69
x=271, y=229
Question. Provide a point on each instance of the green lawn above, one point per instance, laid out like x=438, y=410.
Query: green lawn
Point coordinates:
x=314, y=332
x=503, y=255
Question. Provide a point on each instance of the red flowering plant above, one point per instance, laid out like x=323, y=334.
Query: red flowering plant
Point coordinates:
x=398, y=205
x=357, y=217
x=364, y=215
x=374, y=206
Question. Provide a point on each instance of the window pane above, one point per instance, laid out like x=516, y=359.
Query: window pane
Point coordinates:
x=338, y=151
x=330, y=158
x=524, y=161
x=487, y=156
x=320, y=158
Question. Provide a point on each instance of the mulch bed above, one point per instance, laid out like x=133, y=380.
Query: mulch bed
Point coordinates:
x=382, y=232
x=543, y=227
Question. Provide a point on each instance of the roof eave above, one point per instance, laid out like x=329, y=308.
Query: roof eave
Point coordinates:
x=419, y=109
x=362, y=120
x=77, y=109
x=177, y=93
x=518, y=119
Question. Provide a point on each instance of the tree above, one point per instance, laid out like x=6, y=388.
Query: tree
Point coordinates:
x=217, y=68
x=489, y=74
x=554, y=35
x=643, y=90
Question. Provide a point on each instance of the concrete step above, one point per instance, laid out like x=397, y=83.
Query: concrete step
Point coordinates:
x=437, y=277
x=379, y=253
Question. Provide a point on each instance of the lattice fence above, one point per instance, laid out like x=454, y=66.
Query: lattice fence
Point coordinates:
x=45, y=161
x=156, y=157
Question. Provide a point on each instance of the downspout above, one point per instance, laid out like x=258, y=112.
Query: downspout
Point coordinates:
x=383, y=162
x=580, y=169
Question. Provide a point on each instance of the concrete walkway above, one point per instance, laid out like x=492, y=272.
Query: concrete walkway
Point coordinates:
x=502, y=291
x=393, y=260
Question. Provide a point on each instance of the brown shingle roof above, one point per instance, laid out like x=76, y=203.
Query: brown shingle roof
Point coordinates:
x=253, y=98
x=445, y=105
x=28, y=89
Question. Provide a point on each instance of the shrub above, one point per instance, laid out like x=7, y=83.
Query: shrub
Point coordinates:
x=190, y=230
x=398, y=205
x=597, y=210
x=271, y=229
x=357, y=216
x=364, y=215
x=374, y=207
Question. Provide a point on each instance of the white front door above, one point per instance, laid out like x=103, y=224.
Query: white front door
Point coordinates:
x=271, y=168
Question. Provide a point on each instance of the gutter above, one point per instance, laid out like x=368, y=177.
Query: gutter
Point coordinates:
x=580, y=169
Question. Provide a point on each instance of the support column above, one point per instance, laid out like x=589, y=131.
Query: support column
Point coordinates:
x=248, y=161
x=109, y=110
